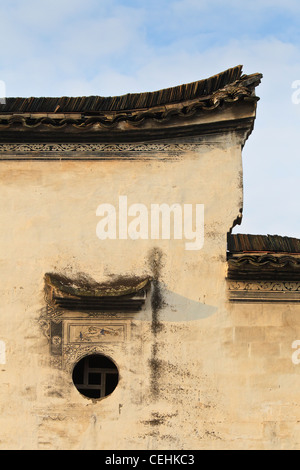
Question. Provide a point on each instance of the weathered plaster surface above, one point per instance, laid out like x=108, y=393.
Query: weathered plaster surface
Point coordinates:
x=196, y=372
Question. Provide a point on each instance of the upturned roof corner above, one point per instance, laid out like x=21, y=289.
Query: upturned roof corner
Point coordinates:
x=220, y=103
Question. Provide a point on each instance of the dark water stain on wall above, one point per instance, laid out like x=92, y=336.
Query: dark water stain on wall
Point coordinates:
x=157, y=302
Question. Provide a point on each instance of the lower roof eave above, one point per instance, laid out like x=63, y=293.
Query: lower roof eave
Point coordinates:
x=241, y=126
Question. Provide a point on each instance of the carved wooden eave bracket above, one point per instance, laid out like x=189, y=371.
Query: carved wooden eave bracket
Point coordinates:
x=265, y=276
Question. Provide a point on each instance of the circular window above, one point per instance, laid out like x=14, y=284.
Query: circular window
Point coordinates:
x=95, y=376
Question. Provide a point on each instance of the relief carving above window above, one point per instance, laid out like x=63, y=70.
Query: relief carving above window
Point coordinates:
x=83, y=317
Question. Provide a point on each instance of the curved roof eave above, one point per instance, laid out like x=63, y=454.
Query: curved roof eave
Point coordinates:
x=179, y=107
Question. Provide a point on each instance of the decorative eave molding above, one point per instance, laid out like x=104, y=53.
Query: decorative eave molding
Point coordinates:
x=167, y=148
x=99, y=147
x=239, y=121
x=264, y=291
x=101, y=151
x=264, y=278
x=267, y=266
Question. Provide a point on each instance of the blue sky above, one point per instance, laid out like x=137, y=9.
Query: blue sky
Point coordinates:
x=111, y=47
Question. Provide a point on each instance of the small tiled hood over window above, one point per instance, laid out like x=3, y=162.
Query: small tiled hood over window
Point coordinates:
x=82, y=293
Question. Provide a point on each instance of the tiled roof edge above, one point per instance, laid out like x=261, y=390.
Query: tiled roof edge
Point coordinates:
x=97, y=104
x=248, y=243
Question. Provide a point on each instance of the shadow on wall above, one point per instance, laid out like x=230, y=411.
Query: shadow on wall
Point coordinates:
x=174, y=307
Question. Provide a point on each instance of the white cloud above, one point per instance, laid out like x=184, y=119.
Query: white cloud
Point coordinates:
x=104, y=48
